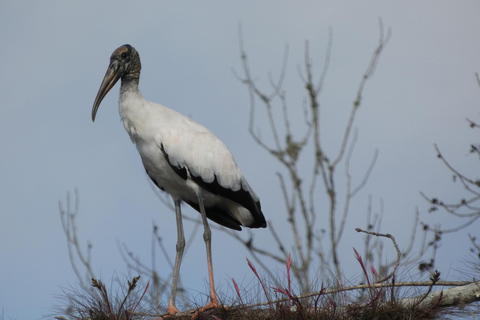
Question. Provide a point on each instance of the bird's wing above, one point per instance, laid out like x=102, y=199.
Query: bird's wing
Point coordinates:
x=190, y=147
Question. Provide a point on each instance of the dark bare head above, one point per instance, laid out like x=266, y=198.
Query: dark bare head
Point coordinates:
x=124, y=64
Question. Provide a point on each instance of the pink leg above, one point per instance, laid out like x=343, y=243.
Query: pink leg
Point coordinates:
x=172, y=309
x=207, y=237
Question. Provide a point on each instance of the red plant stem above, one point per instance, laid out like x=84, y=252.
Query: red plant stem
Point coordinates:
x=263, y=286
x=104, y=291
x=392, y=289
x=440, y=296
x=289, y=264
x=360, y=260
x=290, y=296
x=318, y=297
x=143, y=294
x=239, y=296
x=374, y=272
x=375, y=298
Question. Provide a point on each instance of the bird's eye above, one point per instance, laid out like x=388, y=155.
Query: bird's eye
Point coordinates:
x=124, y=55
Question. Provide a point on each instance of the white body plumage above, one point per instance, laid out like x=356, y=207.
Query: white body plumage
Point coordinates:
x=184, y=159
x=158, y=131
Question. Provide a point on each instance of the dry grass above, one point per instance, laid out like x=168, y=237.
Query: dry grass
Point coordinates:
x=372, y=300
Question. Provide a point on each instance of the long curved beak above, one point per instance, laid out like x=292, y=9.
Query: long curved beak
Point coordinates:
x=111, y=77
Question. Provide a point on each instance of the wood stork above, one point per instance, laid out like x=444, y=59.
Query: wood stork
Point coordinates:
x=183, y=159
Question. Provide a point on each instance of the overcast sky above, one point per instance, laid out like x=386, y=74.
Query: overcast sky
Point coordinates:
x=55, y=54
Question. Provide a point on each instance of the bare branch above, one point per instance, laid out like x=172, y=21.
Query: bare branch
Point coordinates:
x=461, y=176
x=349, y=193
x=67, y=217
x=382, y=42
x=399, y=254
x=465, y=284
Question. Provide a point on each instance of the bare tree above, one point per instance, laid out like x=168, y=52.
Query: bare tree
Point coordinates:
x=300, y=192
x=311, y=248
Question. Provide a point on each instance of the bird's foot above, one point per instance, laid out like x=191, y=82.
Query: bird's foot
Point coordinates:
x=171, y=311
x=211, y=305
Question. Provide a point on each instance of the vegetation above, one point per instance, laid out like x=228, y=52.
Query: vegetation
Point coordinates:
x=379, y=295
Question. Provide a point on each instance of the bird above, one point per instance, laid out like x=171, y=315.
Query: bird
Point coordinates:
x=183, y=159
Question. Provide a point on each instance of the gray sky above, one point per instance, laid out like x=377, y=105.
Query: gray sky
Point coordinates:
x=55, y=54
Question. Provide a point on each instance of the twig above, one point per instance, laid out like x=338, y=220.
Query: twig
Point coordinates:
x=67, y=217
x=131, y=287
x=382, y=42
x=435, y=278
x=399, y=253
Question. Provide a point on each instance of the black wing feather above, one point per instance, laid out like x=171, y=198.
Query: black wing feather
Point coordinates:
x=220, y=216
x=242, y=197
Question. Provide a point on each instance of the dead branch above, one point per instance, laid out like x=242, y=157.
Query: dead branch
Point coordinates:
x=399, y=253
x=458, y=296
x=465, y=286
x=75, y=251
